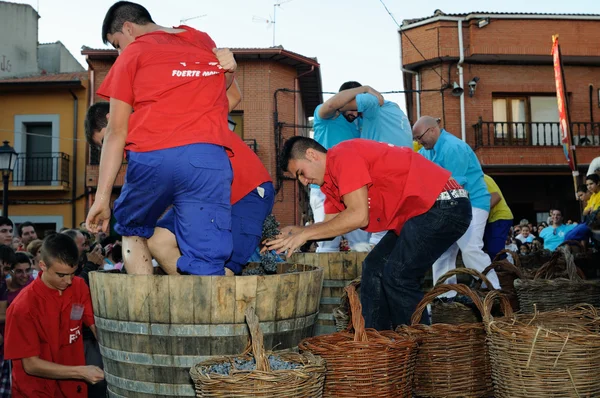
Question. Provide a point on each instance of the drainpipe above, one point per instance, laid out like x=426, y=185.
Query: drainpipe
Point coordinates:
x=417, y=81
x=461, y=81
x=297, y=89
x=74, y=188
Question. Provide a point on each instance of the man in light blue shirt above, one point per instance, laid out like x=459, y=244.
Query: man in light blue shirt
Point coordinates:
x=330, y=129
x=380, y=120
x=554, y=234
x=456, y=156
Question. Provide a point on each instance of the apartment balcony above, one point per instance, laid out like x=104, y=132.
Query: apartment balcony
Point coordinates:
x=41, y=172
x=533, y=143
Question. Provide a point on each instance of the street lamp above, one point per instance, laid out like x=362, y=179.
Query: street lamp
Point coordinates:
x=8, y=159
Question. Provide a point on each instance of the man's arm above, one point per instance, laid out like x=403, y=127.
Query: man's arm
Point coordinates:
x=344, y=100
x=110, y=164
x=495, y=199
x=234, y=95
x=356, y=215
x=35, y=366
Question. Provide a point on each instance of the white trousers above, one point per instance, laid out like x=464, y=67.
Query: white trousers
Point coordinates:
x=471, y=247
x=376, y=237
x=357, y=240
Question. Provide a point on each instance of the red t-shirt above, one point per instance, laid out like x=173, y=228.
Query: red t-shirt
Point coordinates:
x=402, y=184
x=38, y=323
x=176, y=88
x=248, y=170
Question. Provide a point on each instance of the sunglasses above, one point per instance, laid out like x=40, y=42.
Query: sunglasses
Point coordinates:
x=418, y=139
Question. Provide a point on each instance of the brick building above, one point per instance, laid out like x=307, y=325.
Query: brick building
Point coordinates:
x=508, y=110
x=280, y=90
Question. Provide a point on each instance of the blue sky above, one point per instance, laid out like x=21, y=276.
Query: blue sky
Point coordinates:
x=352, y=39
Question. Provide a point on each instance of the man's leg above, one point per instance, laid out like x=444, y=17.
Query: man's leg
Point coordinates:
x=247, y=219
x=422, y=240
x=92, y=354
x=202, y=207
x=471, y=246
x=495, y=236
x=145, y=196
x=372, y=296
x=445, y=263
x=163, y=244
x=317, y=201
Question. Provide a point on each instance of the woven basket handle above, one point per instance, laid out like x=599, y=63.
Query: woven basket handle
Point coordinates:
x=502, y=266
x=488, y=304
x=441, y=289
x=358, y=321
x=548, y=270
x=258, y=349
x=468, y=271
x=514, y=255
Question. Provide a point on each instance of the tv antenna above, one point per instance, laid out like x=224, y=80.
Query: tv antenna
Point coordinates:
x=271, y=22
x=181, y=21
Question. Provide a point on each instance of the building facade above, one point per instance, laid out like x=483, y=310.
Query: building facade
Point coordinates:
x=280, y=89
x=43, y=92
x=490, y=79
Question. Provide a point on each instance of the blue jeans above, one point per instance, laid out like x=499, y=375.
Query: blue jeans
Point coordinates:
x=494, y=238
x=394, y=269
x=196, y=179
x=247, y=218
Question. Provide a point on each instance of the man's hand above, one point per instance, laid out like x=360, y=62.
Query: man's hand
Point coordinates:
x=91, y=374
x=229, y=272
x=95, y=256
x=289, y=240
x=98, y=217
x=226, y=59
x=372, y=91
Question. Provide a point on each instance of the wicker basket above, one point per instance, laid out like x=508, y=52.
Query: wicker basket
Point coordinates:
x=552, y=354
x=545, y=293
x=341, y=314
x=507, y=274
x=366, y=363
x=306, y=381
x=453, y=312
x=452, y=360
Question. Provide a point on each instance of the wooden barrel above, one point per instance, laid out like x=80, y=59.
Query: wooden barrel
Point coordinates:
x=339, y=269
x=153, y=329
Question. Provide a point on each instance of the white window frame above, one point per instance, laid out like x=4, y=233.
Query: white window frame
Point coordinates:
x=20, y=138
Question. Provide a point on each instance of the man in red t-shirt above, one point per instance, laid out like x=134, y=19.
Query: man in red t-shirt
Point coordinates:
x=43, y=328
x=177, y=140
x=252, y=197
x=380, y=187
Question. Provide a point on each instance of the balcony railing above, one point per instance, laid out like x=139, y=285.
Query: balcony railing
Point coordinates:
x=41, y=169
x=533, y=134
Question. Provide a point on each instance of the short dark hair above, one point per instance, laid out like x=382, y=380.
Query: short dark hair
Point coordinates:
x=25, y=224
x=295, y=148
x=60, y=247
x=594, y=178
x=582, y=188
x=349, y=85
x=6, y=221
x=7, y=255
x=121, y=12
x=72, y=233
x=95, y=120
x=21, y=257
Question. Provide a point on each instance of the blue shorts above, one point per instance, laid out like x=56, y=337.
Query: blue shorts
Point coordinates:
x=247, y=218
x=196, y=179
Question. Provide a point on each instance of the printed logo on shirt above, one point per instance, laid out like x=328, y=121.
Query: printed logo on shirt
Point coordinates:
x=196, y=73
x=74, y=335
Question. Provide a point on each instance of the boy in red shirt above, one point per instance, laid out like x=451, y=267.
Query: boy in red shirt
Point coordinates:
x=43, y=328
x=177, y=140
x=379, y=187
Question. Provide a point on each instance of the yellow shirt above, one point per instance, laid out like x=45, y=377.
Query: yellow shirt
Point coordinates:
x=594, y=202
x=501, y=211
x=417, y=146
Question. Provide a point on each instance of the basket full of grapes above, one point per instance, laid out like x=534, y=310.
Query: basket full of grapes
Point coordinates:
x=257, y=373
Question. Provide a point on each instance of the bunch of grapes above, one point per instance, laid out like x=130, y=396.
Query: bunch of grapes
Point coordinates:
x=249, y=271
x=268, y=262
x=270, y=227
